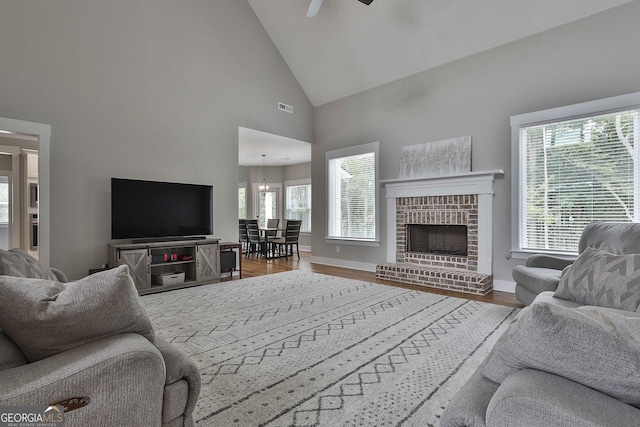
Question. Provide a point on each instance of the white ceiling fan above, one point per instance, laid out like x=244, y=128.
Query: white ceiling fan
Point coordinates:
x=314, y=7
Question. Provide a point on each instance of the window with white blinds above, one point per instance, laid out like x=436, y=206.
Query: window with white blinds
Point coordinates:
x=242, y=201
x=574, y=171
x=298, y=204
x=352, y=193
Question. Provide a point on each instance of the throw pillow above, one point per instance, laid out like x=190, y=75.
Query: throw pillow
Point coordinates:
x=603, y=279
x=16, y=262
x=44, y=317
x=597, y=348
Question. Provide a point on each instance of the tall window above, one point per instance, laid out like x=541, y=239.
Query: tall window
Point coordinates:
x=352, y=193
x=242, y=201
x=4, y=200
x=298, y=203
x=574, y=171
x=267, y=204
x=268, y=207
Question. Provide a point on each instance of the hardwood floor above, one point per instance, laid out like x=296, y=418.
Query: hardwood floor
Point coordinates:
x=252, y=267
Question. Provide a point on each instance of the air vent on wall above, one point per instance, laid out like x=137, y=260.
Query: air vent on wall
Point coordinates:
x=284, y=107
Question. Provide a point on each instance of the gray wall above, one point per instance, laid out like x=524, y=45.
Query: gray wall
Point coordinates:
x=145, y=89
x=300, y=171
x=589, y=59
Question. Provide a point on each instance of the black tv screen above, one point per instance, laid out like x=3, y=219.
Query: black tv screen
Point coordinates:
x=150, y=209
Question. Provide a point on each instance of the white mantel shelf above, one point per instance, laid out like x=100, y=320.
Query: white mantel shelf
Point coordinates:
x=479, y=183
x=467, y=183
x=492, y=174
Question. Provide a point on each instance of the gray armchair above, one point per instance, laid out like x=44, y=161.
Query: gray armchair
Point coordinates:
x=116, y=379
x=542, y=272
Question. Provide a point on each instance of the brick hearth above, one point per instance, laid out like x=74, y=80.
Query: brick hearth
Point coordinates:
x=453, y=279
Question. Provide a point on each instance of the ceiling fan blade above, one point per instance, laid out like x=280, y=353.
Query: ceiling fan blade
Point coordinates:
x=314, y=8
x=367, y=2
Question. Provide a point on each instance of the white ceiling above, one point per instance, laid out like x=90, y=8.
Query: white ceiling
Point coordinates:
x=278, y=150
x=350, y=47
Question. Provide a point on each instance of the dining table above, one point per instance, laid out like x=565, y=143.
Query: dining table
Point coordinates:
x=263, y=233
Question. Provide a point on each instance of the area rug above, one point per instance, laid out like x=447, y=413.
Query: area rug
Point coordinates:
x=306, y=349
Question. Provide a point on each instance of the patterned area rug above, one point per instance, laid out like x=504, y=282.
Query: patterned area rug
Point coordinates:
x=305, y=349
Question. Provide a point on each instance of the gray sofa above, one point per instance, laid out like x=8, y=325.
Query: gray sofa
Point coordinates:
x=571, y=358
x=116, y=373
x=534, y=398
x=542, y=272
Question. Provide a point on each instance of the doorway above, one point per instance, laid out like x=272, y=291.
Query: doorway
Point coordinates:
x=28, y=205
x=263, y=156
x=267, y=204
x=5, y=207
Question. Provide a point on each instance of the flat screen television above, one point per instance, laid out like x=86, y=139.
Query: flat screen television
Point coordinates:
x=154, y=210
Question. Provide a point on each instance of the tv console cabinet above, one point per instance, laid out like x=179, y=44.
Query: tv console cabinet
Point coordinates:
x=198, y=260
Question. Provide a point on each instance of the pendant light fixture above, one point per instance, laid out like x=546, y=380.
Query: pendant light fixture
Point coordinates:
x=263, y=185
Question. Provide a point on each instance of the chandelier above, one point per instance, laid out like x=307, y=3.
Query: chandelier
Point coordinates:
x=263, y=185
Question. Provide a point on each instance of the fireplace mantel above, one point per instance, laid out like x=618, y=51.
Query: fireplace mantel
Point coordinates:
x=476, y=183
x=451, y=185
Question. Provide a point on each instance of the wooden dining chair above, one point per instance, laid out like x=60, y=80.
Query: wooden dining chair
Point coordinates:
x=290, y=238
x=243, y=237
x=272, y=223
x=271, y=234
x=256, y=243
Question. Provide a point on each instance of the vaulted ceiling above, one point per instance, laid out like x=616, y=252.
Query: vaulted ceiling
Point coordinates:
x=350, y=47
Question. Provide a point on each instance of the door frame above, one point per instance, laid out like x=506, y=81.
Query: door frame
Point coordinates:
x=43, y=133
x=277, y=187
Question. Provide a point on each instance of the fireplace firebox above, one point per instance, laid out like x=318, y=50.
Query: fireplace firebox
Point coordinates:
x=437, y=239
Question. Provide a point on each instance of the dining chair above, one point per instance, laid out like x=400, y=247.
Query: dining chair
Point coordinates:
x=256, y=243
x=243, y=237
x=272, y=223
x=271, y=234
x=290, y=238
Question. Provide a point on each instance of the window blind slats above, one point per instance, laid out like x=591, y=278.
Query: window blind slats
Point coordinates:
x=352, y=197
x=575, y=172
x=298, y=204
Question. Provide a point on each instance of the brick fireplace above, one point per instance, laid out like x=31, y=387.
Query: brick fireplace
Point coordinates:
x=440, y=232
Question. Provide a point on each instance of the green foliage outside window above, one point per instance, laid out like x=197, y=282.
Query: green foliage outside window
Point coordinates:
x=577, y=172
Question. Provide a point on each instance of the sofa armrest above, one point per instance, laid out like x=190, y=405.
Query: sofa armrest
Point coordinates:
x=60, y=276
x=468, y=407
x=538, y=399
x=549, y=261
x=122, y=375
x=180, y=368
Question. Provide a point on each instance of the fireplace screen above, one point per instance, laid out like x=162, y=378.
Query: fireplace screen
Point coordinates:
x=437, y=239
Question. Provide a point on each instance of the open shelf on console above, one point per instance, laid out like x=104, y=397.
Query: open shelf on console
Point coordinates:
x=146, y=260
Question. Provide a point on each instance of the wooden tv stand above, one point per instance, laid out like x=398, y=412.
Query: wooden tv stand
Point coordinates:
x=199, y=260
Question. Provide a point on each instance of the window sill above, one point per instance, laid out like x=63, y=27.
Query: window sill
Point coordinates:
x=524, y=254
x=353, y=242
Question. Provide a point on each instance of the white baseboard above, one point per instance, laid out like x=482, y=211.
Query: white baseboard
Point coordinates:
x=504, y=286
x=305, y=248
x=334, y=262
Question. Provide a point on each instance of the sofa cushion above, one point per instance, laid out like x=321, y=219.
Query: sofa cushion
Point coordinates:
x=10, y=354
x=536, y=279
x=603, y=279
x=614, y=237
x=16, y=262
x=591, y=346
x=46, y=317
x=531, y=398
x=549, y=297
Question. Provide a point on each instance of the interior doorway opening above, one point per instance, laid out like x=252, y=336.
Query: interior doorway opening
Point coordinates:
x=25, y=146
